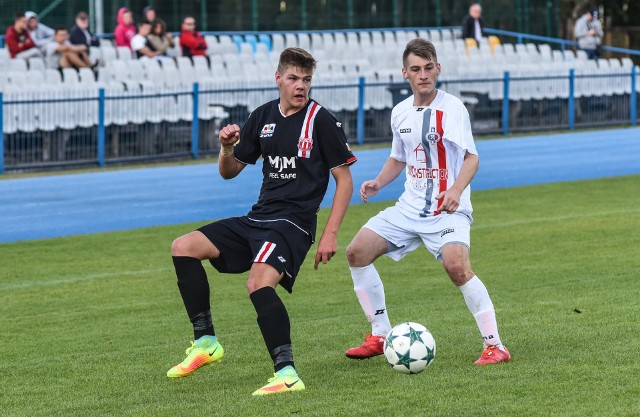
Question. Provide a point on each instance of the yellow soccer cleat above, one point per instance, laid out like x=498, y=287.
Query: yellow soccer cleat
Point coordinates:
x=285, y=380
x=203, y=351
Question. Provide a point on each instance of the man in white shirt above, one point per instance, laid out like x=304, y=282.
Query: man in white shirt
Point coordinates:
x=142, y=47
x=59, y=53
x=433, y=143
x=39, y=32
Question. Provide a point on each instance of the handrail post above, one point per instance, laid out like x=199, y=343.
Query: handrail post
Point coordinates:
x=195, y=125
x=632, y=101
x=360, y=114
x=571, y=102
x=101, y=132
x=505, y=104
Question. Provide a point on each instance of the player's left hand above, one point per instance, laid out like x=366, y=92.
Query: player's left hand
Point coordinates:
x=450, y=200
x=327, y=247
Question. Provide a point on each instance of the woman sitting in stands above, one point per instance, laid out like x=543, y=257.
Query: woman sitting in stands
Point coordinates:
x=159, y=38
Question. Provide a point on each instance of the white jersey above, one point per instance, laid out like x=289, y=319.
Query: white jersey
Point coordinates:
x=432, y=141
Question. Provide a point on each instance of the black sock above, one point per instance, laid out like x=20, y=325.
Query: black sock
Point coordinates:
x=194, y=289
x=273, y=320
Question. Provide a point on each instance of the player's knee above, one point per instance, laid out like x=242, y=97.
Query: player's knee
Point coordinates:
x=181, y=247
x=354, y=254
x=254, y=285
x=458, y=271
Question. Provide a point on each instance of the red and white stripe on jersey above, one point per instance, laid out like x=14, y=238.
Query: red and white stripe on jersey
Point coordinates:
x=305, y=144
x=442, y=157
x=265, y=252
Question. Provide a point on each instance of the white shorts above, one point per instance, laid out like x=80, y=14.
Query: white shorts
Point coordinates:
x=405, y=234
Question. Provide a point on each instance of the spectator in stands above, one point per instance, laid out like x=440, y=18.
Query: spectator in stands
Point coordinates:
x=472, y=24
x=159, y=39
x=18, y=41
x=39, y=32
x=191, y=41
x=141, y=45
x=60, y=53
x=588, y=33
x=80, y=34
x=126, y=30
x=149, y=14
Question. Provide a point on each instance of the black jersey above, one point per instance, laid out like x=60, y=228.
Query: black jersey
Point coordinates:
x=298, y=153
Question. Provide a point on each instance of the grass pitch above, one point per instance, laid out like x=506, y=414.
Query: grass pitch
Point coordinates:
x=90, y=324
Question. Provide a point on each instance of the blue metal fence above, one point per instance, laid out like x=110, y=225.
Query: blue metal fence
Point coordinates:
x=41, y=130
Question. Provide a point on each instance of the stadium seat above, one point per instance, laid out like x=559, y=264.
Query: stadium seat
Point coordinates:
x=124, y=53
x=290, y=40
x=493, y=42
x=435, y=35
x=304, y=41
x=278, y=43
x=36, y=63
x=17, y=65
x=53, y=77
x=108, y=53
x=471, y=46
x=70, y=77
x=265, y=39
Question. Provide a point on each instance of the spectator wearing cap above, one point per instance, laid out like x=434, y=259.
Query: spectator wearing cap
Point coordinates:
x=588, y=32
x=80, y=33
x=191, y=41
x=126, y=30
x=39, y=32
x=159, y=38
x=18, y=40
x=472, y=24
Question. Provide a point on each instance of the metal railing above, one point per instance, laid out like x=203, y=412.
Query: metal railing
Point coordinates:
x=40, y=130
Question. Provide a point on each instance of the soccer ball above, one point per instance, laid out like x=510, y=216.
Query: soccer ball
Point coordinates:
x=409, y=348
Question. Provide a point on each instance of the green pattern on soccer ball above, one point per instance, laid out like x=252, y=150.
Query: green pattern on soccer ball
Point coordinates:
x=405, y=359
x=430, y=354
x=414, y=335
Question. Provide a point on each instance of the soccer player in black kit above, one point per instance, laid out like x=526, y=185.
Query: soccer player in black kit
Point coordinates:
x=300, y=143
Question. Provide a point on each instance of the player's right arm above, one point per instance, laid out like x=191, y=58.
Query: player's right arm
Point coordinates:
x=390, y=171
x=228, y=165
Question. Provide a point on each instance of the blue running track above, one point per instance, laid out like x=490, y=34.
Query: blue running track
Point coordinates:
x=62, y=205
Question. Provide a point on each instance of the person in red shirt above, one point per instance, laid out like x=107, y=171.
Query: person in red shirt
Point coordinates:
x=191, y=41
x=126, y=30
x=18, y=41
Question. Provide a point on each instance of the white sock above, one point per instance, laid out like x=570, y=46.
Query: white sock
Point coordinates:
x=370, y=292
x=479, y=303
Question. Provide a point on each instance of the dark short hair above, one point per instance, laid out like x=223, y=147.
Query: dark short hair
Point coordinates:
x=18, y=15
x=422, y=48
x=298, y=58
x=82, y=15
x=60, y=29
x=144, y=22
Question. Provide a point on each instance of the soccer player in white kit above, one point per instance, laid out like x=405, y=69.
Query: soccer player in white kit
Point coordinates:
x=433, y=143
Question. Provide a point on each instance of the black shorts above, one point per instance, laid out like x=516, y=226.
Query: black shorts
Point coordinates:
x=242, y=242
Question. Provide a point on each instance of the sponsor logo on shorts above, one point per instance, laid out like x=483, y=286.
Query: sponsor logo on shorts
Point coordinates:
x=446, y=232
x=281, y=259
x=267, y=130
x=338, y=124
x=405, y=130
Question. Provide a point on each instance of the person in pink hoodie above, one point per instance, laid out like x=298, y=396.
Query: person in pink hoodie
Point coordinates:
x=125, y=29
